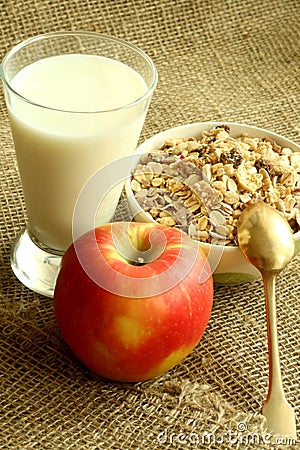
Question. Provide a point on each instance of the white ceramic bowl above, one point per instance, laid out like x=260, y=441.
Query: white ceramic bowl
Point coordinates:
x=228, y=264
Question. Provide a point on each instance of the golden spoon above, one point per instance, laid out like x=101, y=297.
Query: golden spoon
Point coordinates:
x=266, y=240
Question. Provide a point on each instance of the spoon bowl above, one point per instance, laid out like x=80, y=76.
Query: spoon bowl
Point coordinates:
x=266, y=240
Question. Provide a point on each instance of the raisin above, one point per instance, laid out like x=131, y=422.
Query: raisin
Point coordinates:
x=203, y=149
x=262, y=163
x=275, y=147
x=233, y=157
x=224, y=127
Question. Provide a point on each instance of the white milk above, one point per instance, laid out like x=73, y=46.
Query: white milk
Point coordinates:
x=58, y=151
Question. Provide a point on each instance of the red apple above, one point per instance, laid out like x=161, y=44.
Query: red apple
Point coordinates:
x=133, y=299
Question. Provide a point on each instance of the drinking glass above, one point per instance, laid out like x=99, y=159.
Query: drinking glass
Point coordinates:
x=76, y=102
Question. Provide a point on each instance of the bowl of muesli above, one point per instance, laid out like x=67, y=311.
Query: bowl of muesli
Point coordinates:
x=199, y=177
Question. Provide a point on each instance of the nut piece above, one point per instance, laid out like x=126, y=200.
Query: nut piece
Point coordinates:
x=248, y=181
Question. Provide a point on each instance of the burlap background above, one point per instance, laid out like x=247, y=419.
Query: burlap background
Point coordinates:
x=233, y=60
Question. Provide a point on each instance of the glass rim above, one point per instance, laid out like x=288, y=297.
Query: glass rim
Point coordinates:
x=95, y=34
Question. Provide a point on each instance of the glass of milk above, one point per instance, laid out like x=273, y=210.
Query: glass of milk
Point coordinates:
x=77, y=101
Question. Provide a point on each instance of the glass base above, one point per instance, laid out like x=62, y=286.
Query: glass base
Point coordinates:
x=35, y=267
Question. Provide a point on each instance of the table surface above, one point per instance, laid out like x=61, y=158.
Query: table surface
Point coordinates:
x=227, y=61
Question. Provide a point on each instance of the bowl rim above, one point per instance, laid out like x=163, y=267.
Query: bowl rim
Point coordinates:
x=212, y=124
x=205, y=125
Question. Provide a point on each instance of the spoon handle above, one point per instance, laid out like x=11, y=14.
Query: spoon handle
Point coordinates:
x=275, y=382
x=279, y=414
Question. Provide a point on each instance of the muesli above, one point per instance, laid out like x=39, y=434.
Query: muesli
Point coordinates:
x=201, y=185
